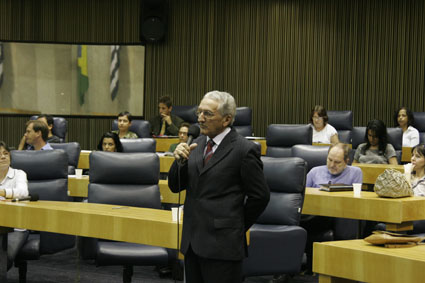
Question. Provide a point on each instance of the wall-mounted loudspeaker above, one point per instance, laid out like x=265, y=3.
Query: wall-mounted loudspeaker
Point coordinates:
x=153, y=20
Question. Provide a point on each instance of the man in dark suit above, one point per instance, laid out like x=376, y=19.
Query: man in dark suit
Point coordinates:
x=226, y=192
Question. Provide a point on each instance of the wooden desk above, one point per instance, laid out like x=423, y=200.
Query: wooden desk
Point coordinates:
x=163, y=144
x=79, y=188
x=372, y=171
x=356, y=260
x=165, y=162
x=406, y=154
x=397, y=213
x=119, y=223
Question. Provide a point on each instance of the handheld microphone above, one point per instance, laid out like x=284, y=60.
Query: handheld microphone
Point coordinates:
x=192, y=133
x=33, y=197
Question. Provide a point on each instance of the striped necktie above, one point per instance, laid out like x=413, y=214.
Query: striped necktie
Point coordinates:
x=209, y=153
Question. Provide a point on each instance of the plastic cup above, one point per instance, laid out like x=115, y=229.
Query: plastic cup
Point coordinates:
x=174, y=211
x=357, y=189
x=78, y=173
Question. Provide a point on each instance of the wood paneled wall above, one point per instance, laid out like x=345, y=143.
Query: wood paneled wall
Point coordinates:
x=70, y=21
x=84, y=130
x=283, y=57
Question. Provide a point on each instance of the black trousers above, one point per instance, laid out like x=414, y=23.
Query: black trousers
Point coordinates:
x=205, y=270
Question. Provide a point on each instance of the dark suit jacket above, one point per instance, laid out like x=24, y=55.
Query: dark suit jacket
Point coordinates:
x=170, y=130
x=223, y=199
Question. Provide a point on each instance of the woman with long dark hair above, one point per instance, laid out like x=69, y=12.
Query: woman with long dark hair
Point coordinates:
x=376, y=148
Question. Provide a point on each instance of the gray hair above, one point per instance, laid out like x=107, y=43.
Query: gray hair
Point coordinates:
x=226, y=103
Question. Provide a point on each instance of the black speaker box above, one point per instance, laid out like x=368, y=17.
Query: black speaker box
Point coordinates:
x=153, y=20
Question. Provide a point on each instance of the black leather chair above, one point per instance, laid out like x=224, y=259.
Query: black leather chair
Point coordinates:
x=276, y=241
x=186, y=112
x=138, y=145
x=125, y=179
x=420, y=125
x=314, y=155
x=243, y=121
x=342, y=121
x=140, y=127
x=357, y=138
x=60, y=127
x=395, y=137
x=73, y=150
x=281, y=137
x=47, y=174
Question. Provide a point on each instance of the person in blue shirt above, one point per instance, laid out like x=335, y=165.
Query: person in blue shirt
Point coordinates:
x=36, y=136
x=336, y=171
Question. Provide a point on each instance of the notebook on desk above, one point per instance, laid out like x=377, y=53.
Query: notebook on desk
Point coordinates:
x=335, y=187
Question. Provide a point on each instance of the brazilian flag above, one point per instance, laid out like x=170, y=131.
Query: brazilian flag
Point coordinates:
x=83, y=78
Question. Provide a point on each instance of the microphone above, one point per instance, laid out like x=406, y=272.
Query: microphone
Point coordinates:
x=192, y=133
x=33, y=197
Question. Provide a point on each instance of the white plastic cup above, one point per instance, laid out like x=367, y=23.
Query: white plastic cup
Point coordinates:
x=357, y=189
x=78, y=173
x=174, y=211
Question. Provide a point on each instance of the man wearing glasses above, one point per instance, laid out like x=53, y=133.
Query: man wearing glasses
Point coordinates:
x=226, y=192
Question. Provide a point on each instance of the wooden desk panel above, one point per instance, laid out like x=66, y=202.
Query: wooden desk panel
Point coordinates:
x=356, y=260
x=372, y=171
x=368, y=207
x=165, y=162
x=79, y=188
x=406, y=154
x=163, y=144
x=121, y=223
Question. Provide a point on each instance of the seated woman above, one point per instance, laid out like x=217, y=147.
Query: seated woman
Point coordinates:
x=322, y=131
x=403, y=118
x=376, y=149
x=13, y=184
x=110, y=142
x=124, y=123
x=184, y=129
x=418, y=170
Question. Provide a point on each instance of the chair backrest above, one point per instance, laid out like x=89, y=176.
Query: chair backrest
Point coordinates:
x=312, y=154
x=420, y=125
x=73, y=150
x=186, y=112
x=395, y=137
x=47, y=172
x=129, y=179
x=286, y=179
x=342, y=121
x=357, y=136
x=138, y=145
x=243, y=121
x=140, y=127
x=60, y=127
x=281, y=137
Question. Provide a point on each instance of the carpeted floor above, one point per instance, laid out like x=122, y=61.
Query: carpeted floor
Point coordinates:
x=65, y=267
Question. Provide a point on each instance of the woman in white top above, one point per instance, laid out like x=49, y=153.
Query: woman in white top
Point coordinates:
x=13, y=182
x=418, y=170
x=322, y=131
x=403, y=118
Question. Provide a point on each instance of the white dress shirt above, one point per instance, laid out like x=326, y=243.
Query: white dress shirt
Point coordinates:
x=15, y=184
x=410, y=137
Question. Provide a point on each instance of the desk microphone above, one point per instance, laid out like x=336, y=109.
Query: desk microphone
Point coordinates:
x=33, y=197
x=192, y=133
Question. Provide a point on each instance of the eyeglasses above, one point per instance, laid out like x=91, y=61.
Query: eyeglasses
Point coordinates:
x=207, y=114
